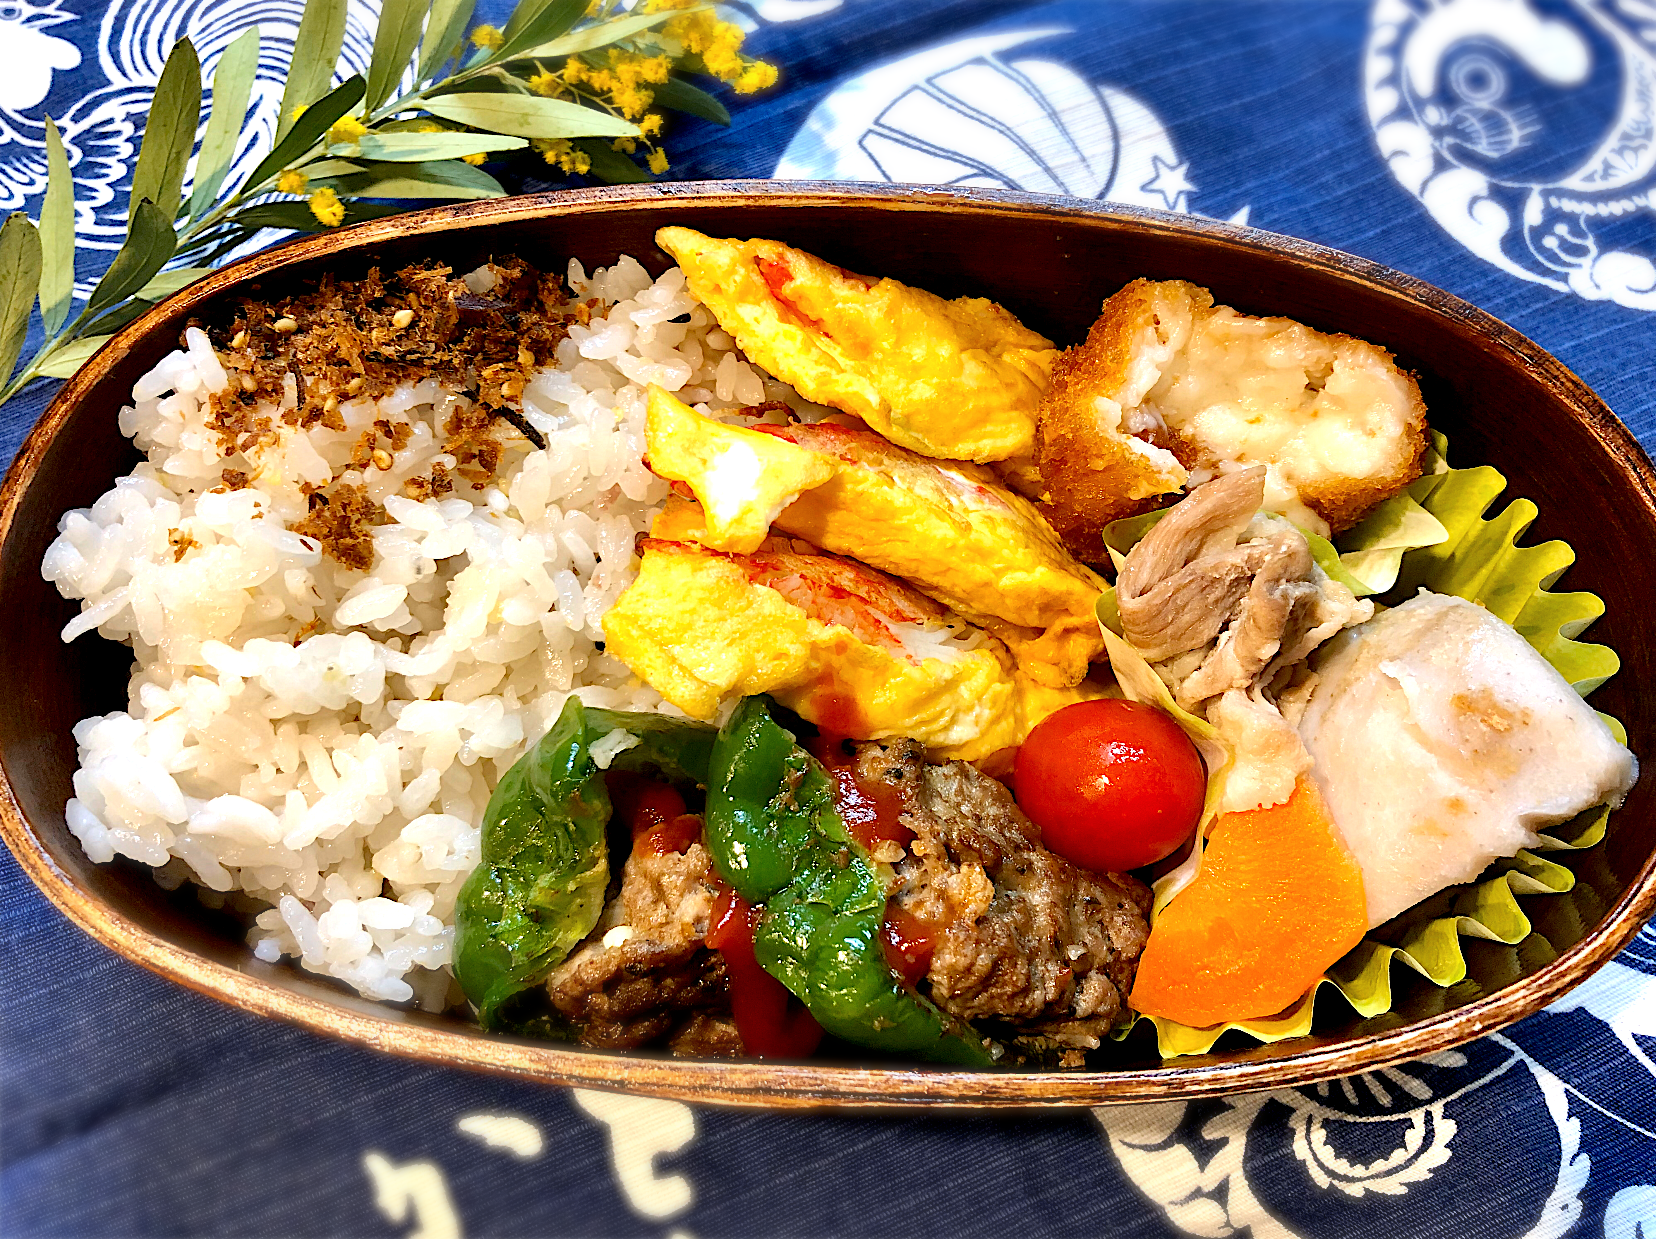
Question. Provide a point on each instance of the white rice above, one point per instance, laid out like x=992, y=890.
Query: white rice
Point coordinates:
x=323, y=739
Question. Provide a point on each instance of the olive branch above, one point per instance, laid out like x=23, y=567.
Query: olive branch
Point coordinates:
x=581, y=83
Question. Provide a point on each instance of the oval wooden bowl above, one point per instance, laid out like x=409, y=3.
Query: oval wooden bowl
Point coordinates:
x=1499, y=397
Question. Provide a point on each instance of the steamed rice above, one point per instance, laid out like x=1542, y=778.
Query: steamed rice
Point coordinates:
x=324, y=740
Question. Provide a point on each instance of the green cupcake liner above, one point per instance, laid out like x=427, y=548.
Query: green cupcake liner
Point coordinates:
x=1478, y=559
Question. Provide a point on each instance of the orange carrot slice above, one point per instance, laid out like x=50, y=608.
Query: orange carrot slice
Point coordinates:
x=1278, y=899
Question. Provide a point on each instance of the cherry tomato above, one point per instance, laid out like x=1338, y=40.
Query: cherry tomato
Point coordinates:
x=1112, y=784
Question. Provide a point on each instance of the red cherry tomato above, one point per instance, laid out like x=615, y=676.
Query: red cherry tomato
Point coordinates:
x=1112, y=784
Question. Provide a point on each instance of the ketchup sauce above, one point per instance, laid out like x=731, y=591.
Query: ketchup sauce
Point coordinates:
x=777, y=277
x=674, y=836
x=909, y=944
x=773, y=1023
x=654, y=812
x=872, y=809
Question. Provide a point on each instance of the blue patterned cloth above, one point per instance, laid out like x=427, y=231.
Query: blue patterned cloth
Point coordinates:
x=1504, y=149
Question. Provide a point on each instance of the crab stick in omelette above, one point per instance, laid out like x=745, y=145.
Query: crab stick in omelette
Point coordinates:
x=954, y=379
x=840, y=644
x=945, y=526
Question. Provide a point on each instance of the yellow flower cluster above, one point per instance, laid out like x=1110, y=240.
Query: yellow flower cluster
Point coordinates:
x=292, y=181
x=757, y=75
x=345, y=130
x=633, y=73
x=561, y=153
x=718, y=43
x=656, y=158
x=328, y=209
x=623, y=81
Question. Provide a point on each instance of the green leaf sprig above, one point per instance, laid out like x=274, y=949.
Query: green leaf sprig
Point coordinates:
x=579, y=83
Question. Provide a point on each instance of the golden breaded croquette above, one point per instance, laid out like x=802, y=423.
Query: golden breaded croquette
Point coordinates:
x=956, y=380
x=1169, y=389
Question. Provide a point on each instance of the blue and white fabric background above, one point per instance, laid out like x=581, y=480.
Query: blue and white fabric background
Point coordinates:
x=1504, y=149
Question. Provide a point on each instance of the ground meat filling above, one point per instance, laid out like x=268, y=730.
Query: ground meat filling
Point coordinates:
x=645, y=975
x=1027, y=941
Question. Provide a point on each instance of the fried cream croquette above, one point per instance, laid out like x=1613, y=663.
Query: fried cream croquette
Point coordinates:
x=1169, y=389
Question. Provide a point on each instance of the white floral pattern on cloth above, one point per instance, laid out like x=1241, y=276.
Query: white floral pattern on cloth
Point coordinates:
x=29, y=56
x=1367, y=1147
x=1406, y=1150
x=968, y=113
x=1528, y=130
x=640, y=1131
x=749, y=13
x=1555, y=1119
x=112, y=83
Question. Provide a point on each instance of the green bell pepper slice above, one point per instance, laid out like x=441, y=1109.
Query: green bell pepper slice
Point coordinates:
x=539, y=886
x=776, y=837
x=768, y=802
